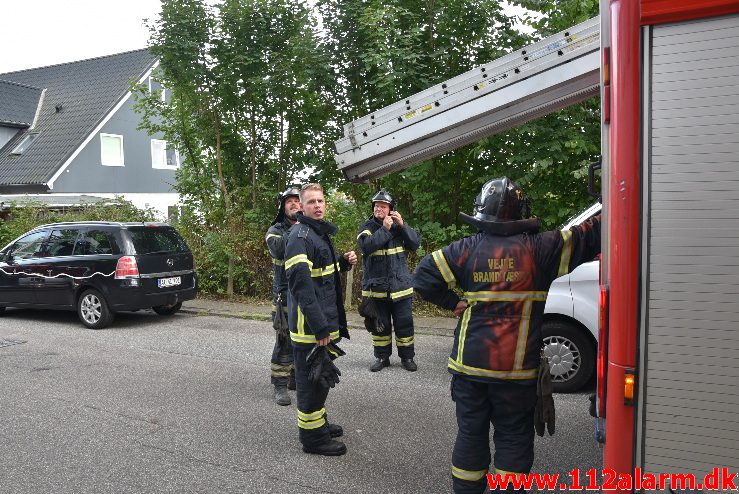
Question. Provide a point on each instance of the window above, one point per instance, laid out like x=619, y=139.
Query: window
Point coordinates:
x=29, y=246
x=62, y=242
x=96, y=242
x=111, y=150
x=156, y=240
x=164, y=157
x=23, y=146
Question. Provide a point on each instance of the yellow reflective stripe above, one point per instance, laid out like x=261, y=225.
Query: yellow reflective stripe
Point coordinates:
x=309, y=338
x=402, y=293
x=495, y=296
x=312, y=416
x=364, y=232
x=269, y=235
x=298, y=259
x=301, y=322
x=564, y=260
x=523, y=335
x=471, y=475
x=335, y=354
x=443, y=267
x=278, y=262
x=506, y=472
x=381, y=340
x=318, y=272
x=408, y=341
x=388, y=252
x=498, y=374
x=315, y=424
x=369, y=293
x=463, y=331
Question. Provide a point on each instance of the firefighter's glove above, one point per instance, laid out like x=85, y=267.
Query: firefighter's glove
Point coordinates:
x=368, y=310
x=544, y=411
x=279, y=323
x=334, y=351
x=321, y=370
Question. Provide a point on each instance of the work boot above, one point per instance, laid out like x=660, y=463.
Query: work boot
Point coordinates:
x=291, y=380
x=335, y=430
x=409, y=364
x=379, y=363
x=330, y=448
x=281, y=396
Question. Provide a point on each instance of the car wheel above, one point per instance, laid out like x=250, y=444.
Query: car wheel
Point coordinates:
x=167, y=310
x=571, y=355
x=93, y=310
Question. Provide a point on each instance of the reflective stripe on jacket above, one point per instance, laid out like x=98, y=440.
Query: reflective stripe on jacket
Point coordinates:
x=385, y=273
x=505, y=282
x=315, y=304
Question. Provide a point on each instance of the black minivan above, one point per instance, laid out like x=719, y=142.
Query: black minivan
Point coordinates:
x=98, y=269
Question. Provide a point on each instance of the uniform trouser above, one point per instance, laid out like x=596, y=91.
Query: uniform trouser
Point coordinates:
x=397, y=315
x=282, y=359
x=312, y=419
x=510, y=408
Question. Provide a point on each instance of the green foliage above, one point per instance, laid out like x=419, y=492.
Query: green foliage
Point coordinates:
x=24, y=217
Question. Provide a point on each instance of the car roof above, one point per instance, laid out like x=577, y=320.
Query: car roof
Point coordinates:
x=119, y=224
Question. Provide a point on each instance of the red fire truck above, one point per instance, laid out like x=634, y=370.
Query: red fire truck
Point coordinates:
x=668, y=75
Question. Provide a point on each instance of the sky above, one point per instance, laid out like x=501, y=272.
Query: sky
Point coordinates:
x=37, y=33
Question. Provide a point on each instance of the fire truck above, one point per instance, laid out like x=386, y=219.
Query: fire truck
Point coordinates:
x=667, y=72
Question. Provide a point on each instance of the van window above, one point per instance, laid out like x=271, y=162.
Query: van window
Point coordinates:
x=156, y=240
x=61, y=242
x=29, y=246
x=95, y=242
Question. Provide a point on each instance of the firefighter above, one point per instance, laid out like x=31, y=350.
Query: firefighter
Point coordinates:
x=316, y=314
x=384, y=240
x=283, y=374
x=504, y=271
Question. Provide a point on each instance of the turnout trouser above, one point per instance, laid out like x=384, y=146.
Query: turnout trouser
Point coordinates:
x=312, y=419
x=396, y=315
x=510, y=408
x=282, y=359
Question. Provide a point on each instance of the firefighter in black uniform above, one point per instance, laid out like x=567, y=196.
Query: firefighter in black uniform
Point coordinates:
x=315, y=314
x=283, y=374
x=383, y=240
x=504, y=271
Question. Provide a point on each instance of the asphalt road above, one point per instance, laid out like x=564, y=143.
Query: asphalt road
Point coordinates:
x=184, y=404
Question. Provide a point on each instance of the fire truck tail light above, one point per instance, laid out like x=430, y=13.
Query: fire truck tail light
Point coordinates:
x=629, y=385
x=602, y=366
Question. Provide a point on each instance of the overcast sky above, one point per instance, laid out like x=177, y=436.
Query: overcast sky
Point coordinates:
x=36, y=33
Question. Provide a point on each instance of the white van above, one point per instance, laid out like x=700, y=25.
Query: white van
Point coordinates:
x=570, y=327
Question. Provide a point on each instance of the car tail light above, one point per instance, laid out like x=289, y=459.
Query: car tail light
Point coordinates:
x=126, y=268
x=602, y=367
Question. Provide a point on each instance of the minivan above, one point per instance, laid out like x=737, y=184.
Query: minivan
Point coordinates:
x=98, y=269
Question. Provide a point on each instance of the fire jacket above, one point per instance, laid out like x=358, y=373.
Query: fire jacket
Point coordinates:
x=314, y=303
x=276, y=239
x=385, y=273
x=505, y=280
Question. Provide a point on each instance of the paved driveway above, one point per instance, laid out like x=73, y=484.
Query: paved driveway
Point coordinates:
x=183, y=404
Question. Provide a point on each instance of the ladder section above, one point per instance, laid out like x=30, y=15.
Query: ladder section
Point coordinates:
x=538, y=79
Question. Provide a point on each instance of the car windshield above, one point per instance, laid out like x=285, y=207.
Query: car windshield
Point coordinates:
x=156, y=240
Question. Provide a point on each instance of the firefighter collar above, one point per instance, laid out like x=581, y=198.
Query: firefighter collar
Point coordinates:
x=503, y=228
x=323, y=227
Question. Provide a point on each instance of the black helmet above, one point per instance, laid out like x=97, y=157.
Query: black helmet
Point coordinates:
x=292, y=191
x=384, y=196
x=500, y=200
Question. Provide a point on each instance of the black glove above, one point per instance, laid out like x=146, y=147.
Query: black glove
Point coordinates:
x=280, y=321
x=334, y=351
x=544, y=411
x=368, y=310
x=322, y=371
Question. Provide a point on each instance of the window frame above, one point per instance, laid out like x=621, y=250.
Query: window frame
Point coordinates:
x=103, y=160
x=25, y=143
x=163, y=165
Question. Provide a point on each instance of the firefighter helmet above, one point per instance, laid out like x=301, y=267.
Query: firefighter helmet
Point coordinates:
x=500, y=200
x=384, y=196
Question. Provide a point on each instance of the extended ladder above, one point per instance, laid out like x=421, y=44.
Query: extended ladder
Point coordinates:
x=546, y=76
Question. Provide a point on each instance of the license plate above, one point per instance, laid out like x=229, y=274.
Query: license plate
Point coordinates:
x=167, y=282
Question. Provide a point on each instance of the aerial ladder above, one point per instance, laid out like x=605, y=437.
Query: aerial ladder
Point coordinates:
x=531, y=82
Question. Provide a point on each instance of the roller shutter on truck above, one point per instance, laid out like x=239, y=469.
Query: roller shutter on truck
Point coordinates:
x=688, y=406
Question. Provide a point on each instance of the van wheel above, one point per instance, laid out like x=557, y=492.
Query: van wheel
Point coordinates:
x=571, y=355
x=167, y=310
x=93, y=310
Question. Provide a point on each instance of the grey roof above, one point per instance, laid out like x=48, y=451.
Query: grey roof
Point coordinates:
x=18, y=103
x=87, y=91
